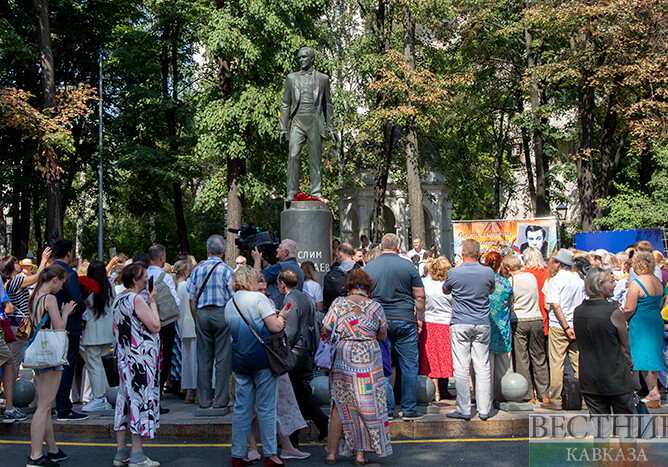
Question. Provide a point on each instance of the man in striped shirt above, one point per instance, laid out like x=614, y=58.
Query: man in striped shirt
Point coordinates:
x=213, y=332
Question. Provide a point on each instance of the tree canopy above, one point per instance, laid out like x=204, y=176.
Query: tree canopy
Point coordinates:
x=519, y=104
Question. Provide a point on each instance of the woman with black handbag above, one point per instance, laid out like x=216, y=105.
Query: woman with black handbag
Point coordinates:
x=250, y=314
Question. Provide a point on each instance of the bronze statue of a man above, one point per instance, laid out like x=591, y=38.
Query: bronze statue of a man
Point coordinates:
x=306, y=108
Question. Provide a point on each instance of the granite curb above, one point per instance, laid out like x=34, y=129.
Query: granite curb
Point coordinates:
x=182, y=423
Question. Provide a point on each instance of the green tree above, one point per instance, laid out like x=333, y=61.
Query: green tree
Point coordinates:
x=251, y=46
x=610, y=54
x=153, y=59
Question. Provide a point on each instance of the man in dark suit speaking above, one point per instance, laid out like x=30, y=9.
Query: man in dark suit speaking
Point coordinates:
x=306, y=108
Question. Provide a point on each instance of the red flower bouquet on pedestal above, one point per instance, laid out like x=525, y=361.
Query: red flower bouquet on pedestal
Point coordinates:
x=305, y=197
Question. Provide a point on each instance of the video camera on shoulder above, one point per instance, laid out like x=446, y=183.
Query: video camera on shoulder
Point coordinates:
x=251, y=237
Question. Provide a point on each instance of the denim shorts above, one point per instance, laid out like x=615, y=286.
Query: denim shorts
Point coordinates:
x=39, y=371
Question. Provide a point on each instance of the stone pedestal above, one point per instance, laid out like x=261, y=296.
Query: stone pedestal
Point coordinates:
x=515, y=387
x=424, y=394
x=309, y=223
x=516, y=406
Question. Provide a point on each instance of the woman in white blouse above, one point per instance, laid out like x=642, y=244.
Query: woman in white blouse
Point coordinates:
x=182, y=270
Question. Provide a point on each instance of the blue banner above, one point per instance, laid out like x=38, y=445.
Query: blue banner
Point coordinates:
x=615, y=241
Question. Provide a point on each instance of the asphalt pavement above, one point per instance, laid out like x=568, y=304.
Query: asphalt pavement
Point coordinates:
x=407, y=452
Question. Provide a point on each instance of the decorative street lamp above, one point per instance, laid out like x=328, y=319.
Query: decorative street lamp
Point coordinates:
x=562, y=210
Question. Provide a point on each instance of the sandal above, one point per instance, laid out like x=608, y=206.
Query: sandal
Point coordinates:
x=362, y=462
x=651, y=403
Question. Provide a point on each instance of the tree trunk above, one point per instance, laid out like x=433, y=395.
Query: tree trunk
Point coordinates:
x=411, y=149
x=54, y=202
x=646, y=168
x=21, y=229
x=45, y=53
x=526, y=150
x=383, y=150
x=152, y=235
x=383, y=153
x=182, y=232
x=540, y=203
x=37, y=227
x=3, y=234
x=169, y=59
x=610, y=158
x=235, y=169
x=83, y=202
x=499, y=139
x=81, y=215
x=584, y=159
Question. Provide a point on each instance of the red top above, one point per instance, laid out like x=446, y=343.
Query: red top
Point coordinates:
x=540, y=274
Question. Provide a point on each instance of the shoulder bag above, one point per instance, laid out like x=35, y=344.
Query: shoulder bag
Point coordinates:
x=324, y=357
x=201, y=289
x=168, y=310
x=280, y=356
x=45, y=347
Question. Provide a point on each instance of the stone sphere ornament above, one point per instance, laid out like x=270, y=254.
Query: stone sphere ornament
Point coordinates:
x=425, y=390
x=514, y=387
x=320, y=385
x=24, y=393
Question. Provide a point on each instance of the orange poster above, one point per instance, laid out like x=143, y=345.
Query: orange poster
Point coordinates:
x=507, y=236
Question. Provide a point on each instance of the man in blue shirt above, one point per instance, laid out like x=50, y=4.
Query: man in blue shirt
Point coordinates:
x=397, y=286
x=61, y=252
x=286, y=254
x=213, y=332
x=470, y=285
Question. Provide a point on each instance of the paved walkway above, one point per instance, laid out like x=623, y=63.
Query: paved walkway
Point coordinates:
x=181, y=423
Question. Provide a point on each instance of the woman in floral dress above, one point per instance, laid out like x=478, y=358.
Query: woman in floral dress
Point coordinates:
x=356, y=381
x=500, y=343
x=136, y=326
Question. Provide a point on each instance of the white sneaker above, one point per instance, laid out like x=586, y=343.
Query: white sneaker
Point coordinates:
x=145, y=463
x=96, y=405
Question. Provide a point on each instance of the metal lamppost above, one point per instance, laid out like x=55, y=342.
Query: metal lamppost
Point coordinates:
x=100, y=200
x=562, y=210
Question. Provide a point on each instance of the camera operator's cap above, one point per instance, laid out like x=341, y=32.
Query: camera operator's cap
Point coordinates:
x=31, y=256
x=565, y=257
x=27, y=262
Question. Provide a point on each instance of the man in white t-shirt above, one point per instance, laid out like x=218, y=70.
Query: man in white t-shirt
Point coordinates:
x=563, y=293
x=417, y=248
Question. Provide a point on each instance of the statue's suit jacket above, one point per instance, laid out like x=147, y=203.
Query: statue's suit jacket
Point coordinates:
x=321, y=97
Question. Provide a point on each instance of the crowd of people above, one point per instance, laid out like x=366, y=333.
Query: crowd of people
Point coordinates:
x=193, y=328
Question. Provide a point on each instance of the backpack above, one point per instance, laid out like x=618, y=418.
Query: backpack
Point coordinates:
x=168, y=310
x=571, y=397
x=333, y=286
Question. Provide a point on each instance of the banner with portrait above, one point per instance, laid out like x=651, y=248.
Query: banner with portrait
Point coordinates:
x=508, y=236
